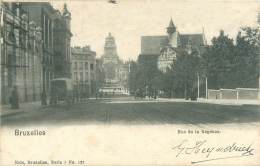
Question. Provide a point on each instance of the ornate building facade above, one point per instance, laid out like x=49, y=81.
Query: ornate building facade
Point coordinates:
x=62, y=37
x=21, y=54
x=84, y=69
x=43, y=14
x=111, y=61
x=28, y=34
x=177, y=41
x=55, y=27
x=167, y=47
x=167, y=56
x=115, y=70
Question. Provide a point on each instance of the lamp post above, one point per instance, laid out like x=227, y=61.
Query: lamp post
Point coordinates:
x=258, y=46
x=38, y=33
x=2, y=55
x=32, y=27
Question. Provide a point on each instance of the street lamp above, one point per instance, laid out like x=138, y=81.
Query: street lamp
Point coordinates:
x=38, y=38
x=32, y=28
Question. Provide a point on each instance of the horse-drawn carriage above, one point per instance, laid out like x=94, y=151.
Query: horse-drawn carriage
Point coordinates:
x=61, y=90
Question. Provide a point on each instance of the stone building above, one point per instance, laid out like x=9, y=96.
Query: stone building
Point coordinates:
x=100, y=74
x=123, y=75
x=55, y=26
x=28, y=32
x=84, y=69
x=166, y=47
x=115, y=70
x=21, y=54
x=62, y=37
x=43, y=14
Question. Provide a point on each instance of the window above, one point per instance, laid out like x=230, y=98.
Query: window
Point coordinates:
x=75, y=76
x=86, y=76
x=80, y=65
x=81, y=76
x=75, y=66
x=92, y=76
x=91, y=66
x=86, y=65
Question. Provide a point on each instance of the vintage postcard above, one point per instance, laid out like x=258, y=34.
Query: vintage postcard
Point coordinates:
x=130, y=83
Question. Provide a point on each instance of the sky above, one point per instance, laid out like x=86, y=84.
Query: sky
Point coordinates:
x=128, y=20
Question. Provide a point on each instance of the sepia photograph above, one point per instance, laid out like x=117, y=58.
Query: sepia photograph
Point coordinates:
x=130, y=82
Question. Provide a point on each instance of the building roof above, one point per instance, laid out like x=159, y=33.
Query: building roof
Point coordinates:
x=83, y=50
x=193, y=39
x=153, y=44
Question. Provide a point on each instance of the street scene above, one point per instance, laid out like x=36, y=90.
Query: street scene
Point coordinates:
x=128, y=111
x=63, y=66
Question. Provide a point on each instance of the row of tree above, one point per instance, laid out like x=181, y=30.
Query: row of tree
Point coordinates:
x=225, y=63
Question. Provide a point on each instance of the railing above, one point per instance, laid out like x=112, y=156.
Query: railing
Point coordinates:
x=237, y=94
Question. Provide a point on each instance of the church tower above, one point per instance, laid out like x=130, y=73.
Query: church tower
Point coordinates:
x=173, y=35
x=171, y=28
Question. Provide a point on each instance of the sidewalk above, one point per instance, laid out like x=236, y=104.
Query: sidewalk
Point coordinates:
x=6, y=110
x=230, y=101
x=213, y=101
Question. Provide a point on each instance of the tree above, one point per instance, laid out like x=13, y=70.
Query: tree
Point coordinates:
x=229, y=65
x=132, y=81
x=217, y=60
x=246, y=60
x=147, y=71
x=185, y=71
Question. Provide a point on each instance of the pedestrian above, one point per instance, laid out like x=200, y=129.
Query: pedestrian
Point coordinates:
x=53, y=99
x=155, y=94
x=100, y=94
x=136, y=93
x=43, y=99
x=14, y=99
x=96, y=95
x=77, y=95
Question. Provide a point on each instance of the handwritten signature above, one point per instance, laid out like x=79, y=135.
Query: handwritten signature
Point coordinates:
x=200, y=147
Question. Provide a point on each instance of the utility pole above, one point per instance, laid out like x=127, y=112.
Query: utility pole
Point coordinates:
x=1, y=54
x=206, y=87
x=198, y=85
x=258, y=45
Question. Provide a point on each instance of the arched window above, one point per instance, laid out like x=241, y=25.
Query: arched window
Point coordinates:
x=11, y=36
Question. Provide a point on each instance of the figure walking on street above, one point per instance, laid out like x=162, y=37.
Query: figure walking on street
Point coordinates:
x=43, y=99
x=14, y=99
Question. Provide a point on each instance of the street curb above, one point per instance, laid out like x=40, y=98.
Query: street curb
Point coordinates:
x=11, y=113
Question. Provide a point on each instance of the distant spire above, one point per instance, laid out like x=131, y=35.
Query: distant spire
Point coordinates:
x=171, y=23
x=204, y=37
x=171, y=28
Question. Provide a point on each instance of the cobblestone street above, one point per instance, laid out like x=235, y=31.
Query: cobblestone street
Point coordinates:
x=127, y=110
